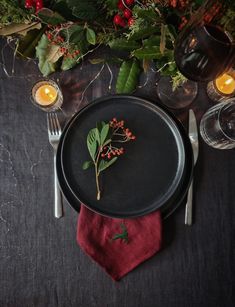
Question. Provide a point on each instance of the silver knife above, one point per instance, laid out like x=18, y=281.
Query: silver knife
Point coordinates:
x=193, y=136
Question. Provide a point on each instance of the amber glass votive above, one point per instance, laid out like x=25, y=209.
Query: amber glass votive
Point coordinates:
x=47, y=95
x=223, y=87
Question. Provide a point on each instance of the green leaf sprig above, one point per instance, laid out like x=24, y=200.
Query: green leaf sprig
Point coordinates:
x=123, y=235
x=102, y=144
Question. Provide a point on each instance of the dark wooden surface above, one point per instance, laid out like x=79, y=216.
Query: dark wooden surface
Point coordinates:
x=40, y=261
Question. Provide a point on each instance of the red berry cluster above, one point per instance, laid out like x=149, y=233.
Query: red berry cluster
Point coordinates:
x=124, y=16
x=55, y=38
x=183, y=23
x=213, y=11
x=110, y=151
x=179, y=4
x=120, y=135
x=118, y=126
x=37, y=4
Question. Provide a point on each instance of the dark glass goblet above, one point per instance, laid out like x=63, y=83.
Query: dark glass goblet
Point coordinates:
x=202, y=53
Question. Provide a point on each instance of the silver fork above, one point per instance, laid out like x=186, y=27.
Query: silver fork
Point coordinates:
x=54, y=133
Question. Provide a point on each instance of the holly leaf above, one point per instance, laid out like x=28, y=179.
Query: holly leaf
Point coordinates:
x=104, y=133
x=128, y=76
x=49, y=17
x=44, y=50
x=105, y=164
x=123, y=44
x=86, y=165
x=91, y=36
x=92, y=142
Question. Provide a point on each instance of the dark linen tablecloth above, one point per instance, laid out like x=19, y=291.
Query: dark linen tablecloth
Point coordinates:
x=40, y=262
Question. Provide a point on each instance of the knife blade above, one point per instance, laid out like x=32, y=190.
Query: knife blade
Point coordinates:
x=193, y=136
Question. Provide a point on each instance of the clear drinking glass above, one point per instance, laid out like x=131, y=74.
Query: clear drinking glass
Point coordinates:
x=217, y=126
x=179, y=98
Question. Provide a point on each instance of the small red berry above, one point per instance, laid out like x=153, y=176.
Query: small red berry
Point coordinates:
x=117, y=19
x=127, y=14
x=131, y=21
x=129, y=2
x=28, y=4
x=120, y=5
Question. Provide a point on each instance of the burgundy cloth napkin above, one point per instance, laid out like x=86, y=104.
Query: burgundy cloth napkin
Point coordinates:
x=95, y=233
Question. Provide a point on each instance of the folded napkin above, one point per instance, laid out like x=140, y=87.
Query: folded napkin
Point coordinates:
x=119, y=245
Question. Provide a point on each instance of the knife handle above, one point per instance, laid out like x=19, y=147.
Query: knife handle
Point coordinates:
x=189, y=206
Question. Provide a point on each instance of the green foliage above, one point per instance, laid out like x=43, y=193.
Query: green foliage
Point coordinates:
x=149, y=53
x=178, y=80
x=128, y=76
x=105, y=164
x=228, y=21
x=87, y=164
x=90, y=36
x=49, y=17
x=28, y=43
x=123, y=44
x=10, y=12
x=45, y=51
x=92, y=142
x=87, y=10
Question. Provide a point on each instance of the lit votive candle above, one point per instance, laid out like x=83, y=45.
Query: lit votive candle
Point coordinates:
x=47, y=95
x=223, y=87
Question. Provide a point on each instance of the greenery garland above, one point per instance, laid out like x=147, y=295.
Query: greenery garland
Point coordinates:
x=63, y=32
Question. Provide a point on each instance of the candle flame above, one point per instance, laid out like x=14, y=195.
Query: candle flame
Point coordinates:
x=229, y=81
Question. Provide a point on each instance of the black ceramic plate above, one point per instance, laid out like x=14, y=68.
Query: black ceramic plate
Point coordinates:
x=151, y=175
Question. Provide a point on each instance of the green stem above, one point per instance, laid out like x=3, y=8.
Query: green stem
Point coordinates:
x=97, y=175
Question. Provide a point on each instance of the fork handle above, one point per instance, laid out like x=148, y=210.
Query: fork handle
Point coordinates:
x=57, y=196
x=189, y=206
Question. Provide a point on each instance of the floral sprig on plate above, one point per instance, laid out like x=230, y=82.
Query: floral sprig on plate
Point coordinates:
x=103, y=143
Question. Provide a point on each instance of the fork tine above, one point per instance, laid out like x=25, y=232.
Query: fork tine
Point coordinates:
x=57, y=124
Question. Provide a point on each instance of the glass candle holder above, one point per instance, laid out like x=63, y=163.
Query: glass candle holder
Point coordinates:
x=179, y=98
x=46, y=95
x=223, y=87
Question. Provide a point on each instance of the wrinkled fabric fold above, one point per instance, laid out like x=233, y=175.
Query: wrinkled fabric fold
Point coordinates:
x=95, y=236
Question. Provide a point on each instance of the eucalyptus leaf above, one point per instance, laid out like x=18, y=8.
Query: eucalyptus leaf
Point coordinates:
x=92, y=142
x=105, y=164
x=104, y=133
x=91, y=36
x=87, y=164
x=18, y=28
x=128, y=76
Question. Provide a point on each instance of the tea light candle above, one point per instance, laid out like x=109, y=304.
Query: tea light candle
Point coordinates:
x=223, y=87
x=225, y=84
x=46, y=95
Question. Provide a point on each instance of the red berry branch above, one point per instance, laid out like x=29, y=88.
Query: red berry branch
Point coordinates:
x=124, y=17
x=101, y=144
x=37, y=4
x=55, y=37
